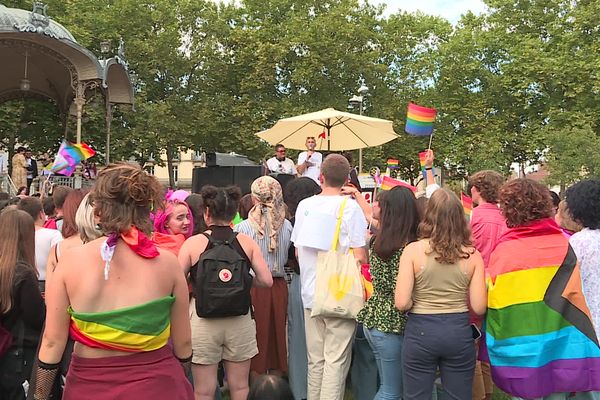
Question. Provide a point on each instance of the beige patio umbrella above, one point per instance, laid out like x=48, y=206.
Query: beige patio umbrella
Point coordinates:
x=334, y=130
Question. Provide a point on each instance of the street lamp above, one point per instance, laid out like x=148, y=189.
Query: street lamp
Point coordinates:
x=358, y=102
x=105, y=47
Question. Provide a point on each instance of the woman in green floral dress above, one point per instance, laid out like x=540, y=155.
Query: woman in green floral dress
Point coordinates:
x=397, y=213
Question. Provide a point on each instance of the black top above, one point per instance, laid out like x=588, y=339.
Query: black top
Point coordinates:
x=220, y=233
x=27, y=304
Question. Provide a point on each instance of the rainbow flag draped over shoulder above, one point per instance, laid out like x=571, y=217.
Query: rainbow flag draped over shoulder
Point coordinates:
x=539, y=334
x=144, y=327
x=419, y=120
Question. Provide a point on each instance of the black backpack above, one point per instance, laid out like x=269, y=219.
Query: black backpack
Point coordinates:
x=222, y=280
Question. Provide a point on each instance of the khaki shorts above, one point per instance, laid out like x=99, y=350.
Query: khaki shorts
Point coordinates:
x=216, y=339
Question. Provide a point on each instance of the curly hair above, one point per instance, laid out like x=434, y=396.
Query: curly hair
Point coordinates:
x=487, y=183
x=523, y=201
x=583, y=200
x=446, y=228
x=123, y=196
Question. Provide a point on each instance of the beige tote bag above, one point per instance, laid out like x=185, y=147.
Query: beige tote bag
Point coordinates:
x=338, y=289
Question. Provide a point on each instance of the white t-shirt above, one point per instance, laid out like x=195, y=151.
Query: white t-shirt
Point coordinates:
x=313, y=171
x=352, y=235
x=44, y=239
x=282, y=167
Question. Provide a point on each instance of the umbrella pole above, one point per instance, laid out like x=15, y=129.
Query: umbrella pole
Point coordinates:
x=328, y=136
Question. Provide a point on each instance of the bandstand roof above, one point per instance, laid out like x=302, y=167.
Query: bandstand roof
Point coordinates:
x=56, y=63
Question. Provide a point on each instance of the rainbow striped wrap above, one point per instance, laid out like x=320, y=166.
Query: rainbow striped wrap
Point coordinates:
x=144, y=327
x=539, y=334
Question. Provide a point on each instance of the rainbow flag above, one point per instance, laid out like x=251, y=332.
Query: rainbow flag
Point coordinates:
x=419, y=120
x=540, y=338
x=392, y=164
x=422, y=158
x=69, y=155
x=387, y=183
x=467, y=204
x=144, y=327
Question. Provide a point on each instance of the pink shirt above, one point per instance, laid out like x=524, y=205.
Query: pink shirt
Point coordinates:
x=487, y=225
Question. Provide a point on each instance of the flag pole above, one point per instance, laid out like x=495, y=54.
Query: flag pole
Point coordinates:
x=430, y=140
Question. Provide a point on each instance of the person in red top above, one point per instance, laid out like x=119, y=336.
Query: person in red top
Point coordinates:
x=487, y=225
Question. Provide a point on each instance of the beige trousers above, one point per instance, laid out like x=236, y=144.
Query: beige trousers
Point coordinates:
x=329, y=347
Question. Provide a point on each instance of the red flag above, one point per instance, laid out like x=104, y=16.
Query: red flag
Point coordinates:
x=322, y=135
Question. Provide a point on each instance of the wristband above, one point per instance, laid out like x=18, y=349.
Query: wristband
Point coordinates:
x=184, y=360
x=428, y=168
x=46, y=366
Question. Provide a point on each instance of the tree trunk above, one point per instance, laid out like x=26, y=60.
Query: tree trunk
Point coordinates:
x=170, y=167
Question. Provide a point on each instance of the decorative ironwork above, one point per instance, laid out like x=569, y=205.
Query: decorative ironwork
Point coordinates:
x=39, y=22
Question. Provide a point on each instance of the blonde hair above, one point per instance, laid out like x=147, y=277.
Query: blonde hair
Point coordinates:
x=86, y=221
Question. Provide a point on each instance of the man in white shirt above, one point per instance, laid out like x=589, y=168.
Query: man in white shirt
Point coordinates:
x=309, y=161
x=44, y=238
x=280, y=164
x=328, y=340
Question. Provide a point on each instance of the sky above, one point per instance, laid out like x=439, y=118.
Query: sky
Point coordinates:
x=449, y=9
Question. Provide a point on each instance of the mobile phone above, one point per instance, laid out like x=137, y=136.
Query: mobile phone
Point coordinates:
x=475, y=332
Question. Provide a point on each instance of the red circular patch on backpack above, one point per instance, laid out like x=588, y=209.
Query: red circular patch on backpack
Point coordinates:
x=225, y=275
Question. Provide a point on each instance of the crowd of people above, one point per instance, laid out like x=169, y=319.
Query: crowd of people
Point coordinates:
x=126, y=291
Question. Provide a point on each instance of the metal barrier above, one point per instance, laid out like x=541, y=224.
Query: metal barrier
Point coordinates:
x=46, y=183
x=7, y=185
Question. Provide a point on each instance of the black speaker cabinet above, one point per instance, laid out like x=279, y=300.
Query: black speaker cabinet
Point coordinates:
x=225, y=176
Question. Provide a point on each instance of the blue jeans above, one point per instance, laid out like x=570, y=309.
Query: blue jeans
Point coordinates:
x=387, y=348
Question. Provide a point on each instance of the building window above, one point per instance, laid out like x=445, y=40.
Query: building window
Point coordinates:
x=175, y=173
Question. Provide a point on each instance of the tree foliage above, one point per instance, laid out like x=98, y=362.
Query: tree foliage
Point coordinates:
x=517, y=84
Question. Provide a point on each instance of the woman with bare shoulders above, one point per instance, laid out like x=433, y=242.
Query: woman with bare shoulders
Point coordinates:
x=121, y=299
x=232, y=338
x=76, y=226
x=438, y=276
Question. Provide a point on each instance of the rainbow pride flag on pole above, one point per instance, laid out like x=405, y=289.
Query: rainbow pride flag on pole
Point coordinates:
x=387, y=183
x=392, y=164
x=419, y=120
x=539, y=337
x=69, y=155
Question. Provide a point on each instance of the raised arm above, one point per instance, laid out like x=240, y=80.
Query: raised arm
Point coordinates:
x=362, y=202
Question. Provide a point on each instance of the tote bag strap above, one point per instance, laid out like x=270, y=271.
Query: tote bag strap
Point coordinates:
x=336, y=235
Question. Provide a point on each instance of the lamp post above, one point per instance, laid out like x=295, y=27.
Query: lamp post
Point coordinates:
x=358, y=101
x=105, y=49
